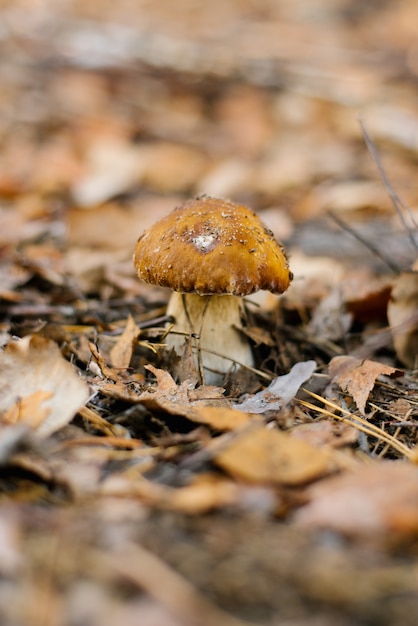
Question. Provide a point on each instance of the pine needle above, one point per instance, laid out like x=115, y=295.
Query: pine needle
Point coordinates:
x=359, y=423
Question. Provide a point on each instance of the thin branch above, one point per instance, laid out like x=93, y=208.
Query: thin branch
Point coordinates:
x=397, y=202
x=390, y=264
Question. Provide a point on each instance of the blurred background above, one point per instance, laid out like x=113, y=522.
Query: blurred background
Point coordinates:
x=113, y=113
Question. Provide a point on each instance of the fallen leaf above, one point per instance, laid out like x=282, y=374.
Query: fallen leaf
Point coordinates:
x=165, y=382
x=370, y=499
x=121, y=353
x=197, y=405
x=358, y=377
x=366, y=296
x=194, y=404
x=217, y=418
x=266, y=456
x=33, y=372
x=402, y=314
x=280, y=391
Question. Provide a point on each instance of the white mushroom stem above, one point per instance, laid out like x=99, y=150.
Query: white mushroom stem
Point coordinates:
x=213, y=322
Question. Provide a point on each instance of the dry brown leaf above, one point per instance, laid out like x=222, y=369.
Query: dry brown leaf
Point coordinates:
x=34, y=371
x=217, y=418
x=370, y=499
x=262, y=455
x=220, y=418
x=402, y=314
x=186, y=391
x=358, y=377
x=121, y=353
x=165, y=382
x=194, y=404
x=205, y=405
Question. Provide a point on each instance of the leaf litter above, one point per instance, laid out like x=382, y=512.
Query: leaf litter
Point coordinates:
x=129, y=492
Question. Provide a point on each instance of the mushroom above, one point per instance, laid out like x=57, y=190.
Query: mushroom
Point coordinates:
x=211, y=253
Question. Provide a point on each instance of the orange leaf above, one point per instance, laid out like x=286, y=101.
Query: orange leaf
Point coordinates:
x=29, y=410
x=262, y=455
x=121, y=353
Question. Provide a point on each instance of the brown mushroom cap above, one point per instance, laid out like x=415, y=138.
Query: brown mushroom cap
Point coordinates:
x=211, y=246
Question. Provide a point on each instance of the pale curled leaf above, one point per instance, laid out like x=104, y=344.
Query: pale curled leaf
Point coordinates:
x=32, y=370
x=280, y=391
x=358, y=377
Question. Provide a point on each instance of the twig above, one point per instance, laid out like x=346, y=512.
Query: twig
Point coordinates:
x=368, y=244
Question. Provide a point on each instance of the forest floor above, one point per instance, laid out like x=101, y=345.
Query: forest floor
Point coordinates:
x=131, y=492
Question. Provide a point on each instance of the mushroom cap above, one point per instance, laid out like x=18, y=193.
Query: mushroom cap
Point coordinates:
x=211, y=246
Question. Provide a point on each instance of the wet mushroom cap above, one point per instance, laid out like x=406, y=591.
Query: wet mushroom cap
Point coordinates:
x=210, y=246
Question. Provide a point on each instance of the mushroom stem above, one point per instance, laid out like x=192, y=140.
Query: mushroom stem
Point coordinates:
x=213, y=323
